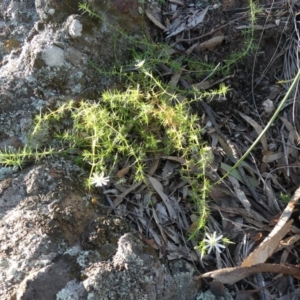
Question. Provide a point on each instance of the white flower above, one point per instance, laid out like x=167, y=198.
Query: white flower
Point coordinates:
x=212, y=242
x=139, y=64
x=99, y=179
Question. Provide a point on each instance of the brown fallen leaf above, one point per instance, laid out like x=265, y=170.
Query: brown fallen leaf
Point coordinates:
x=154, y=20
x=123, y=172
x=237, y=175
x=157, y=186
x=288, y=242
x=267, y=247
x=203, y=85
x=206, y=84
x=120, y=197
x=217, y=288
x=253, y=218
x=257, y=128
x=232, y=275
x=210, y=44
x=161, y=229
x=257, y=237
x=151, y=243
x=190, y=50
x=154, y=166
x=193, y=227
x=271, y=242
x=240, y=193
x=272, y=201
x=277, y=231
x=175, y=158
x=175, y=78
x=270, y=156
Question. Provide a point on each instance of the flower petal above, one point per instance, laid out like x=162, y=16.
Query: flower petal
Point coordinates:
x=219, y=238
x=209, y=249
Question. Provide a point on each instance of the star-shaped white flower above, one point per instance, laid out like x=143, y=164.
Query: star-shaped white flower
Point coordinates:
x=99, y=179
x=212, y=242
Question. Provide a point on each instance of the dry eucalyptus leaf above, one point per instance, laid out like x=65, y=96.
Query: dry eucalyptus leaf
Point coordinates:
x=175, y=78
x=184, y=191
x=269, y=156
x=181, y=160
x=267, y=247
x=173, y=235
x=156, y=184
x=272, y=201
x=154, y=167
x=188, y=19
x=203, y=85
x=236, y=174
x=121, y=187
x=270, y=244
x=240, y=193
x=232, y=275
x=190, y=50
x=210, y=44
x=217, y=288
x=194, y=217
x=162, y=214
x=253, y=217
x=146, y=228
x=159, y=189
x=161, y=229
x=123, y=172
x=120, y=198
x=258, y=129
x=111, y=191
x=288, y=242
x=288, y=125
x=154, y=20
x=151, y=243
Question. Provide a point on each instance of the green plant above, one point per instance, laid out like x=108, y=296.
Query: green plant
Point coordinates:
x=10, y=157
x=215, y=94
x=285, y=198
x=135, y=125
x=145, y=120
x=213, y=242
x=249, y=44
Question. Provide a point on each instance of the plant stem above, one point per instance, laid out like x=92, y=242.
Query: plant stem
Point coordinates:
x=279, y=108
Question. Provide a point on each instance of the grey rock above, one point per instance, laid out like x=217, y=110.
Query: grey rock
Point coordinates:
x=53, y=242
x=135, y=273
x=46, y=48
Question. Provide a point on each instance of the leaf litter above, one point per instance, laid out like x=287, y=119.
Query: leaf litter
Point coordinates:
x=245, y=207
